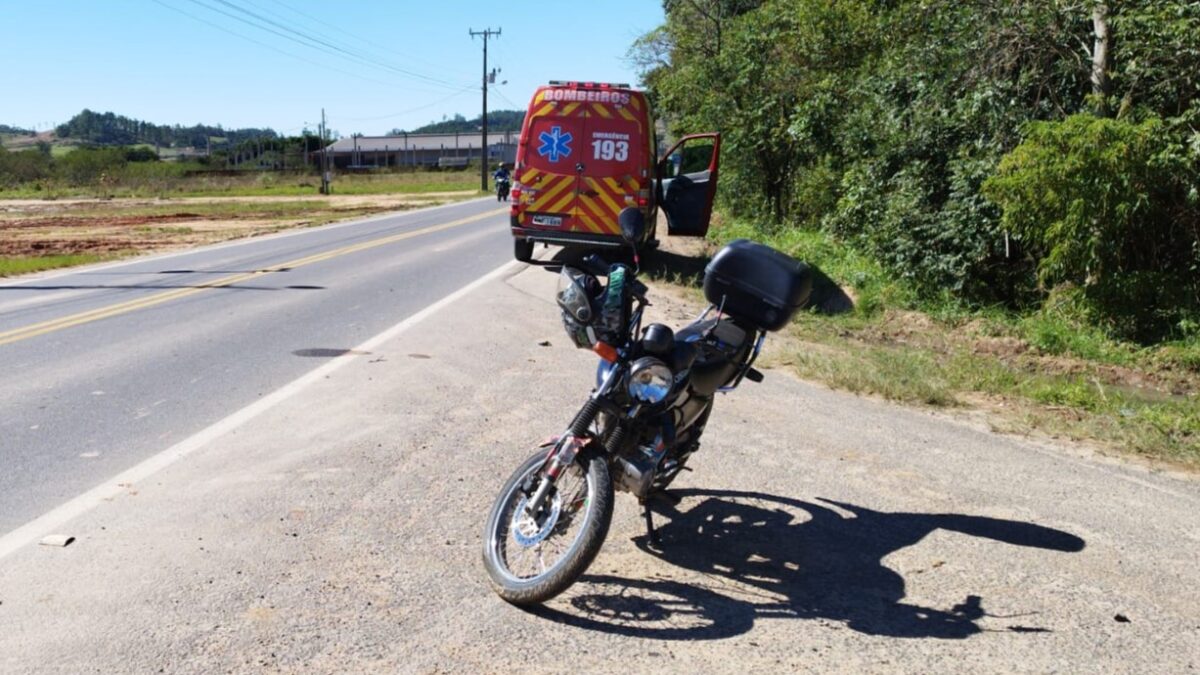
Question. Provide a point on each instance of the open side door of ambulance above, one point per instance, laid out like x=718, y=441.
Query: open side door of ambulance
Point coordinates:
x=687, y=179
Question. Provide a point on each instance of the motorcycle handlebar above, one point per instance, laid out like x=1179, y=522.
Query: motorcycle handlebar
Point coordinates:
x=592, y=264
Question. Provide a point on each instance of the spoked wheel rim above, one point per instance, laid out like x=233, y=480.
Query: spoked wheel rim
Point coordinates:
x=529, y=547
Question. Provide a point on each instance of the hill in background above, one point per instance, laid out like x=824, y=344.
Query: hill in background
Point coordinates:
x=91, y=128
x=111, y=129
x=498, y=120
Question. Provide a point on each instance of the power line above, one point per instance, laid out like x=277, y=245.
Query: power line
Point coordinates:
x=274, y=48
x=324, y=42
x=324, y=24
x=411, y=110
x=271, y=47
x=307, y=42
x=507, y=100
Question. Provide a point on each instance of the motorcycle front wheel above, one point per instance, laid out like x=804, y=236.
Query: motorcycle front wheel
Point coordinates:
x=534, y=557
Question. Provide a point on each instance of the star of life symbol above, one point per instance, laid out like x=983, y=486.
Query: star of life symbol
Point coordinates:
x=555, y=144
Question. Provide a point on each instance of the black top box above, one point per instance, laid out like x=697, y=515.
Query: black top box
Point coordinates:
x=757, y=284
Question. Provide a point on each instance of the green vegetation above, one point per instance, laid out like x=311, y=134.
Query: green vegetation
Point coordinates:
x=134, y=171
x=111, y=129
x=309, y=211
x=8, y=130
x=1080, y=406
x=268, y=184
x=1050, y=370
x=1008, y=193
x=989, y=154
x=498, y=120
x=24, y=265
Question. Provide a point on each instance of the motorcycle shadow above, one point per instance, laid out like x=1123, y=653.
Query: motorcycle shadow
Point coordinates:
x=766, y=556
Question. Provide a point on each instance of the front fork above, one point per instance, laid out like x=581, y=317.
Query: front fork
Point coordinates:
x=567, y=447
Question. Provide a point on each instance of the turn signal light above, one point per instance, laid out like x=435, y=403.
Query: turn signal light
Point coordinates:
x=606, y=351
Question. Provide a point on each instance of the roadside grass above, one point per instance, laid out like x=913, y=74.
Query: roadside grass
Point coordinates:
x=39, y=236
x=12, y=266
x=350, y=184
x=309, y=211
x=171, y=179
x=17, y=142
x=1047, y=372
x=222, y=210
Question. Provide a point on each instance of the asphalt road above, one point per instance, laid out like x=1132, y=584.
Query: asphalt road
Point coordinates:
x=106, y=366
x=339, y=530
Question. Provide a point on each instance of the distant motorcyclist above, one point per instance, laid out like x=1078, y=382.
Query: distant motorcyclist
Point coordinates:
x=503, y=182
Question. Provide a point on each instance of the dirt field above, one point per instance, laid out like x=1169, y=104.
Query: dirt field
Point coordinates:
x=119, y=227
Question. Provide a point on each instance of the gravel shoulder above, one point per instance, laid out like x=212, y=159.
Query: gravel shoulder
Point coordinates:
x=340, y=532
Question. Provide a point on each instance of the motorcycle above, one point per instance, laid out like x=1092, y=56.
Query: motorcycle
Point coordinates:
x=502, y=187
x=644, y=419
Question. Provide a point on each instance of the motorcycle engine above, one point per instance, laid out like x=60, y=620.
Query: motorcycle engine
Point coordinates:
x=634, y=474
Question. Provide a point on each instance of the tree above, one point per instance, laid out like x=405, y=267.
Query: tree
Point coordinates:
x=881, y=121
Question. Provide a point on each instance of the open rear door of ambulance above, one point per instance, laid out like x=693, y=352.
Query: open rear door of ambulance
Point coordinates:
x=687, y=177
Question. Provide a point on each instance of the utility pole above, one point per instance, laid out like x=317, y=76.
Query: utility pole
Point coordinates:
x=483, y=159
x=324, y=158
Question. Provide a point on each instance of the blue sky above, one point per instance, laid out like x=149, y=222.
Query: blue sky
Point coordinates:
x=373, y=65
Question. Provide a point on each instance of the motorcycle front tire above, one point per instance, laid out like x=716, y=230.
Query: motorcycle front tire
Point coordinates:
x=598, y=509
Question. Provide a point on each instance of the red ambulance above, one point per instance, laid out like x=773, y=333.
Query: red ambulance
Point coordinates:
x=588, y=150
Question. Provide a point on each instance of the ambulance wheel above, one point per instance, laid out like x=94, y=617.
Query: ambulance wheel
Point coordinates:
x=523, y=250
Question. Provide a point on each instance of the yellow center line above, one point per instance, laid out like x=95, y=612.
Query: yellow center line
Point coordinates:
x=52, y=325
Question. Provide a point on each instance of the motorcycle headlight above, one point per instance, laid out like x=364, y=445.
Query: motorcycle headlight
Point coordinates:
x=649, y=380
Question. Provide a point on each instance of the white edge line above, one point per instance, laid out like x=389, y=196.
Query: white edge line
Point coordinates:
x=77, y=506
x=56, y=274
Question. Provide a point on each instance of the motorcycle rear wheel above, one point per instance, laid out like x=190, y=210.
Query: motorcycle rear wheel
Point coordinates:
x=515, y=544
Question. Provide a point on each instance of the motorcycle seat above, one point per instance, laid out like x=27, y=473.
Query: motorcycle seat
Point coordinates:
x=720, y=347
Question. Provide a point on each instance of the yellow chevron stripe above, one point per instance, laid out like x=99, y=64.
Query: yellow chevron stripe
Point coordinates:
x=546, y=196
x=602, y=110
x=588, y=222
x=595, y=209
x=628, y=115
x=607, y=198
x=562, y=203
x=636, y=102
x=608, y=225
x=570, y=108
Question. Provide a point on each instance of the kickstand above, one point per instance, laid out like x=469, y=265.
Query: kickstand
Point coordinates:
x=651, y=533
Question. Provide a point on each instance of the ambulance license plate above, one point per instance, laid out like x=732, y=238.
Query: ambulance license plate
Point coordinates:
x=548, y=221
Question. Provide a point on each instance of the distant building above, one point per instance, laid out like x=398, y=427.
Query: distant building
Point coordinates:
x=428, y=150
